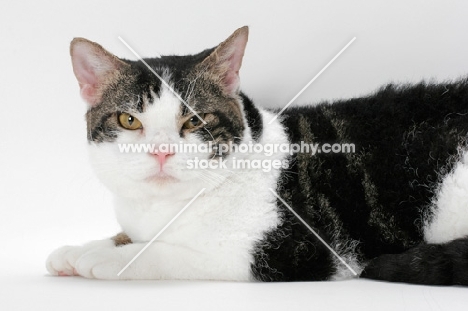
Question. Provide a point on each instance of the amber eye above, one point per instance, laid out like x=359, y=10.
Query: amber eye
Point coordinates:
x=194, y=121
x=129, y=122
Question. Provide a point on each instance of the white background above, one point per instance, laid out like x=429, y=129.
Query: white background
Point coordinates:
x=49, y=196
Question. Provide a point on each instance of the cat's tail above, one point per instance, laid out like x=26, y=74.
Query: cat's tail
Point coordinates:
x=429, y=264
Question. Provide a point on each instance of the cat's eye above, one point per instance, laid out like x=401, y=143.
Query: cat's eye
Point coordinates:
x=129, y=122
x=194, y=121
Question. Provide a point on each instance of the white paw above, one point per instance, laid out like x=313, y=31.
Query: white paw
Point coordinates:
x=104, y=263
x=63, y=260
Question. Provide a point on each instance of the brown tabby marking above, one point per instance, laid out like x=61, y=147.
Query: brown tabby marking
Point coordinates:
x=121, y=239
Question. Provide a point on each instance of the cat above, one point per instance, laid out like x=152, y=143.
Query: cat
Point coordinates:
x=394, y=207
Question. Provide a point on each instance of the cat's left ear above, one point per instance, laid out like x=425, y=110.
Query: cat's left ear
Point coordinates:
x=226, y=60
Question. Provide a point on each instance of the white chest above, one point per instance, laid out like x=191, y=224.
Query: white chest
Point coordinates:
x=236, y=212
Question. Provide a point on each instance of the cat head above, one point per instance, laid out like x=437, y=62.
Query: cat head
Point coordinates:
x=167, y=101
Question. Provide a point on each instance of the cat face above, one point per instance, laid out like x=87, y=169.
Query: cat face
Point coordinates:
x=187, y=100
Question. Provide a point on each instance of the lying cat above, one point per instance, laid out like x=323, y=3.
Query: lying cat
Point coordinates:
x=393, y=207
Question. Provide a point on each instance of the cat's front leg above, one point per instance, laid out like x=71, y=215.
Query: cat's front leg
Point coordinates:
x=105, y=259
x=101, y=259
x=106, y=263
x=163, y=260
x=62, y=261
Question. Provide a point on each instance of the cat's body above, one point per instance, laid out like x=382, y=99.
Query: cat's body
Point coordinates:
x=404, y=185
x=386, y=197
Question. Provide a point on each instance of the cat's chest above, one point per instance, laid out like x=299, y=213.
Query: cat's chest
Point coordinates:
x=220, y=216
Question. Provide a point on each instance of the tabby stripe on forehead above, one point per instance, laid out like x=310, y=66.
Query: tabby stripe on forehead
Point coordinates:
x=140, y=103
x=101, y=131
x=184, y=110
x=146, y=97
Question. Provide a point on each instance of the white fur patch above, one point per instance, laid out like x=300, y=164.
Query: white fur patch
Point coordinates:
x=450, y=208
x=347, y=251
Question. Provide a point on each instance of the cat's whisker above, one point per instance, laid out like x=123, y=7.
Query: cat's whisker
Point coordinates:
x=206, y=178
x=209, y=181
x=211, y=174
x=221, y=178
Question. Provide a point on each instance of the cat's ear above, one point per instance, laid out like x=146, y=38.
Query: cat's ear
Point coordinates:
x=93, y=67
x=226, y=60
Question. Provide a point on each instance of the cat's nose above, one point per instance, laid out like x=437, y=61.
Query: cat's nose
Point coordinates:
x=162, y=157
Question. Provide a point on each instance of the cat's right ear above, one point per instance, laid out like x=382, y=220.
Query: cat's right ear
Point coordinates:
x=93, y=67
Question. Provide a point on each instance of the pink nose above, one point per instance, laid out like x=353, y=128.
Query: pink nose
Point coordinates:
x=162, y=157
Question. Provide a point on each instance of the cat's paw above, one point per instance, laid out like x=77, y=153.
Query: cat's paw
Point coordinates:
x=100, y=264
x=62, y=261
